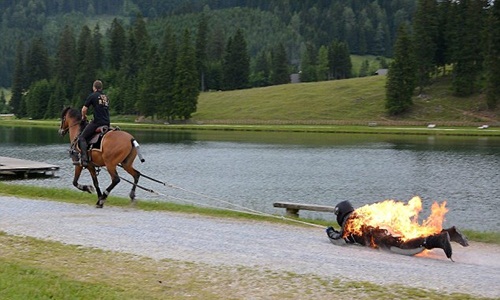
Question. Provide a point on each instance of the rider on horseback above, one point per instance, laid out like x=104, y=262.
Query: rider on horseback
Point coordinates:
x=99, y=101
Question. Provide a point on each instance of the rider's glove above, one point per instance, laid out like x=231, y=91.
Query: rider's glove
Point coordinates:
x=333, y=234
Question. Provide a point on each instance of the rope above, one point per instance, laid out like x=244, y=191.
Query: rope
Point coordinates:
x=241, y=209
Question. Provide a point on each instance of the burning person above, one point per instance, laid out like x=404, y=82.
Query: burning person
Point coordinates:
x=394, y=226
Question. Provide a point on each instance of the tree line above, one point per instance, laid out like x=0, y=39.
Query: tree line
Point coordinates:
x=158, y=66
x=462, y=34
x=366, y=26
x=159, y=79
x=142, y=78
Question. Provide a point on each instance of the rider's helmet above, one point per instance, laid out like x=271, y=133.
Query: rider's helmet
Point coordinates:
x=343, y=210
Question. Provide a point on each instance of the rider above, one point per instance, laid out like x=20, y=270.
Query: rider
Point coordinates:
x=376, y=237
x=100, y=102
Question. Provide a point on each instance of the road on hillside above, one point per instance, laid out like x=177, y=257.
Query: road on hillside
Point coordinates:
x=193, y=238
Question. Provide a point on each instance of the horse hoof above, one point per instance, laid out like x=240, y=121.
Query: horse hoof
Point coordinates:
x=100, y=203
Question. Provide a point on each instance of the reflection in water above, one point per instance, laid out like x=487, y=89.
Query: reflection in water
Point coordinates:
x=29, y=135
x=255, y=169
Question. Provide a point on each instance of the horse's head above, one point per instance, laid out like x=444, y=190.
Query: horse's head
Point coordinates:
x=69, y=117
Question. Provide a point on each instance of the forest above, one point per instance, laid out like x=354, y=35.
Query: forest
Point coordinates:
x=157, y=56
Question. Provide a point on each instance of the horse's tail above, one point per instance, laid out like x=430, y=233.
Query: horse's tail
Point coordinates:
x=135, y=144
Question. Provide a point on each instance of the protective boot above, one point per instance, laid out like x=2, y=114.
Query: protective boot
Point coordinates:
x=456, y=236
x=83, y=151
x=441, y=240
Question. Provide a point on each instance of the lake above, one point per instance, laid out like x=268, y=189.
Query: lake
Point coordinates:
x=255, y=169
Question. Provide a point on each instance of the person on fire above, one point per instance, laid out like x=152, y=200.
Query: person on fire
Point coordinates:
x=377, y=237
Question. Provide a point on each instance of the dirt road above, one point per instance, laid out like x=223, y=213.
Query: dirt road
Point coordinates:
x=194, y=238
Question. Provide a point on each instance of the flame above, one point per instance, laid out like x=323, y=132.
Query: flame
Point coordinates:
x=398, y=218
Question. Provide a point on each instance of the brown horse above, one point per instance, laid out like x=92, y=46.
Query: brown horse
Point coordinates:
x=117, y=148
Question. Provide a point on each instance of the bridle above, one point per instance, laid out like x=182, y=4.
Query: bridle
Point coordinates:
x=63, y=132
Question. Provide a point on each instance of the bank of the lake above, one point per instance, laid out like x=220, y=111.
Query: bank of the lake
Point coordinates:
x=401, y=128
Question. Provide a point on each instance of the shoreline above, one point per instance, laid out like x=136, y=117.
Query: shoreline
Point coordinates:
x=397, y=129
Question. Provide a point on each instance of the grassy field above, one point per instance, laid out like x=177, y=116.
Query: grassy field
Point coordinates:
x=36, y=269
x=344, y=102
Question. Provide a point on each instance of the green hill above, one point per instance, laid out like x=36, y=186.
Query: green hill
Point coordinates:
x=351, y=101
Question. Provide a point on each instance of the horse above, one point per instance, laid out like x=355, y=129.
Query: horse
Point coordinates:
x=118, y=148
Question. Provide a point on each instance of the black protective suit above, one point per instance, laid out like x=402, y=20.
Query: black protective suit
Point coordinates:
x=376, y=237
x=99, y=101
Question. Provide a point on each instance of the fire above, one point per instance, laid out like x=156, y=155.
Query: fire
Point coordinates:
x=398, y=218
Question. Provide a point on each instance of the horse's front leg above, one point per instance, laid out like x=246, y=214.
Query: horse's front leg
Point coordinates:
x=93, y=174
x=115, y=179
x=85, y=188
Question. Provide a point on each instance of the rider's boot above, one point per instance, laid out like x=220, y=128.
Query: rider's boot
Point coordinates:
x=440, y=240
x=456, y=236
x=84, y=156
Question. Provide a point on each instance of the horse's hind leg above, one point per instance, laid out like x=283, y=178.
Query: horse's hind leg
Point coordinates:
x=136, y=174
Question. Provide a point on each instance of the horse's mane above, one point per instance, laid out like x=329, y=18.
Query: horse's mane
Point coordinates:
x=74, y=113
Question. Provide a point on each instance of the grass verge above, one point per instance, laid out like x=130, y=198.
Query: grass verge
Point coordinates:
x=73, y=196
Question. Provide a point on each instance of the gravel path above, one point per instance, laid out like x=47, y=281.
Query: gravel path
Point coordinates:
x=163, y=235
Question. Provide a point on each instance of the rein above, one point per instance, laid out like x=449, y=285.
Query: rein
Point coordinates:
x=72, y=125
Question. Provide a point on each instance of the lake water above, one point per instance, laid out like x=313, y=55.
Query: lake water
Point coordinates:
x=255, y=169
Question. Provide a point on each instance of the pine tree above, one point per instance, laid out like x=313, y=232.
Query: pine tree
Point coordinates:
x=86, y=73
x=215, y=52
x=58, y=100
x=65, y=61
x=492, y=57
x=3, y=103
x=425, y=33
x=279, y=66
x=339, y=60
x=186, y=89
x=128, y=76
x=18, y=83
x=142, y=40
x=322, y=69
x=37, y=62
x=443, y=52
x=201, y=50
x=262, y=70
x=38, y=98
x=166, y=74
x=147, y=101
x=345, y=67
x=308, y=64
x=401, y=77
x=236, y=63
x=117, y=42
x=98, y=48
x=364, y=69
x=468, y=51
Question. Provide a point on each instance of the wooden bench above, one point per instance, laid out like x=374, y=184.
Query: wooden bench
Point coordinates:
x=292, y=209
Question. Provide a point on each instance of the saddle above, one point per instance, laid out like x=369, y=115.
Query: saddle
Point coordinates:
x=94, y=144
x=95, y=141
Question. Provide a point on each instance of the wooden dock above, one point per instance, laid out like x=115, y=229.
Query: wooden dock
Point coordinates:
x=25, y=168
